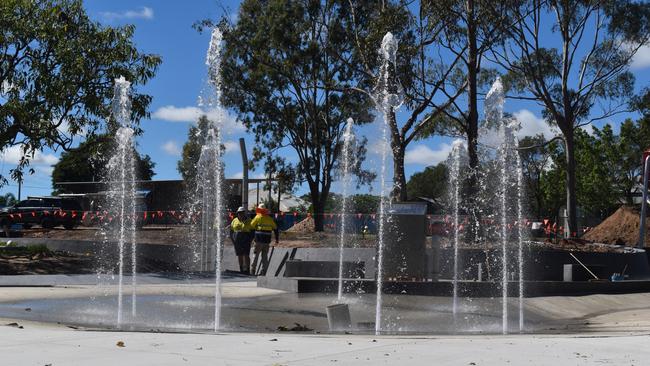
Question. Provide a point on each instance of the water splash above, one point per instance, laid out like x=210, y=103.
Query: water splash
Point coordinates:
x=457, y=151
x=520, y=239
x=121, y=197
x=211, y=170
x=348, y=139
x=494, y=102
x=510, y=171
x=388, y=96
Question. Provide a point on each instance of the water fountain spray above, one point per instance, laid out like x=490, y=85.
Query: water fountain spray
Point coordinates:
x=494, y=101
x=520, y=239
x=122, y=178
x=511, y=177
x=457, y=150
x=348, y=139
x=210, y=163
x=388, y=96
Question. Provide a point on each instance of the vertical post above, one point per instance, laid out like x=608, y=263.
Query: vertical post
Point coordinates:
x=270, y=197
x=20, y=184
x=257, y=203
x=644, y=203
x=279, y=197
x=244, y=180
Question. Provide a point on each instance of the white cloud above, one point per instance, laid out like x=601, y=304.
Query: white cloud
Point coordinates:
x=231, y=146
x=589, y=128
x=532, y=125
x=171, y=113
x=424, y=155
x=142, y=13
x=251, y=175
x=39, y=161
x=191, y=114
x=171, y=148
x=13, y=154
x=641, y=59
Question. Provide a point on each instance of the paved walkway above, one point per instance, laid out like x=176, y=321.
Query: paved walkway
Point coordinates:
x=46, y=345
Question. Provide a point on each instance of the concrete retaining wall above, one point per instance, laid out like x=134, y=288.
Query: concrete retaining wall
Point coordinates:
x=539, y=265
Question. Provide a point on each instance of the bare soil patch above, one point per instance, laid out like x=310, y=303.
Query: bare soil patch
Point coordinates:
x=621, y=228
x=38, y=260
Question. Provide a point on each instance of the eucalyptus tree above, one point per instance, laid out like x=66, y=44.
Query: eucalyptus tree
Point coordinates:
x=88, y=162
x=56, y=74
x=280, y=76
x=572, y=57
x=427, y=75
x=535, y=160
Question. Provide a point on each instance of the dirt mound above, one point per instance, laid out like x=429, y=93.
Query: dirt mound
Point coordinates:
x=621, y=228
x=304, y=226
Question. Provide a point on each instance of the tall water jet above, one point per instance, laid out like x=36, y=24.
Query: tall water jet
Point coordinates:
x=457, y=149
x=211, y=165
x=520, y=239
x=347, y=157
x=510, y=172
x=388, y=96
x=494, y=101
x=209, y=175
x=122, y=200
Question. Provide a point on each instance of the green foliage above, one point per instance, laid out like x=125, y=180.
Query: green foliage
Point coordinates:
x=583, y=61
x=192, y=150
x=430, y=183
x=433, y=85
x=609, y=169
x=281, y=75
x=56, y=74
x=38, y=249
x=30, y=250
x=8, y=199
x=536, y=160
x=88, y=162
x=364, y=203
x=357, y=203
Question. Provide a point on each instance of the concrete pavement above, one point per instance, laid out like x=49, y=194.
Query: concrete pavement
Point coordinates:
x=40, y=345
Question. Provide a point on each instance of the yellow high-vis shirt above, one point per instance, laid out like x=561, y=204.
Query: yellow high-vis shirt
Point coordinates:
x=241, y=226
x=263, y=223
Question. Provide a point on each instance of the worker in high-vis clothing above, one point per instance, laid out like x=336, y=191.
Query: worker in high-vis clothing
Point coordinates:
x=241, y=234
x=264, y=226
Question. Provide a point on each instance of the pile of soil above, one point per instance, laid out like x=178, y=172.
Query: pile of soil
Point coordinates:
x=304, y=226
x=621, y=228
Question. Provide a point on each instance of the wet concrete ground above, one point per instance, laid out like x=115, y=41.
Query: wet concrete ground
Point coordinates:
x=67, y=320
x=187, y=304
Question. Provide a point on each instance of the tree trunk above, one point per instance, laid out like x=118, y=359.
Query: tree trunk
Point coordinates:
x=571, y=205
x=472, y=124
x=399, y=193
x=319, y=215
x=397, y=146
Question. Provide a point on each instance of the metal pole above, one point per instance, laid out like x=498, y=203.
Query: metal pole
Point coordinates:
x=244, y=180
x=257, y=203
x=644, y=204
x=279, y=197
x=20, y=184
x=270, y=197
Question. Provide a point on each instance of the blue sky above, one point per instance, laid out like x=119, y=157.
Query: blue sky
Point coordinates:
x=165, y=28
